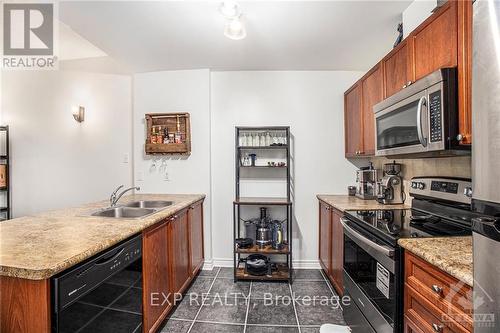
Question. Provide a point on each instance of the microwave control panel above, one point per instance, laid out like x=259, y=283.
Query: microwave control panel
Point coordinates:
x=435, y=116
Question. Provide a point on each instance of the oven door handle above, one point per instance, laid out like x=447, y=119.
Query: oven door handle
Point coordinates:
x=420, y=132
x=387, y=251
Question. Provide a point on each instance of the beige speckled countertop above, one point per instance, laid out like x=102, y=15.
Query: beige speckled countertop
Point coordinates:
x=450, y=254
x=345, y=202
x=38, y=247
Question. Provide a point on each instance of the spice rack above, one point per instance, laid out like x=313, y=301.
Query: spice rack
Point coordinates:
x=168, y=133
x=275, y=140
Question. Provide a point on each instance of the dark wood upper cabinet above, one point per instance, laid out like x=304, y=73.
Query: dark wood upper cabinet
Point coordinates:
x=179, y=250
x=325, y=236
x=372, y=93
x=435, y=41
x=337, y=252
x=353, y=121
x=397, y=69
x=195, y=218
x=155, y=281
x=444, y=39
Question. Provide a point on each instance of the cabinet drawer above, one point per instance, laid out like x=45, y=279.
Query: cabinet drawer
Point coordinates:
x=448, y=294
x=428, y=317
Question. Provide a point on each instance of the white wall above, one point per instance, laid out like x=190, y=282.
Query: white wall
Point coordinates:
x=175, y=91
x=311, y=103
x=57, y=162
x=416, y=13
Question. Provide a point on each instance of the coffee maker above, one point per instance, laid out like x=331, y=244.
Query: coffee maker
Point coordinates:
x=391, y=190
x=366, y=179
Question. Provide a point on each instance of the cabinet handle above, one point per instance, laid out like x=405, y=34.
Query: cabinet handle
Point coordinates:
x=409, y=83
x=437, y=328
x=437, y=289
x=404, y=86
x=460, y=137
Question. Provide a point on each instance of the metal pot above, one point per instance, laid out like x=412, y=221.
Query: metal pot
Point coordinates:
x=257, y=264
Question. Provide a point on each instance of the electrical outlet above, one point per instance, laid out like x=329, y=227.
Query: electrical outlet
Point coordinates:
x=140, y=176
x=126, y=158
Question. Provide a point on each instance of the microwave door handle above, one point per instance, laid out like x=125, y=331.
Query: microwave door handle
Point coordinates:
x=423, y=140
x=389, y=252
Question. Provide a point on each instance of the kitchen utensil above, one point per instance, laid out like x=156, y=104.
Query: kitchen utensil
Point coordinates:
x=244, y=243
x=257, y=264
x=351, y=190
x=277, y=235
x=253, y=158
x=251, y=230
x=392, y=168
x=366, y=180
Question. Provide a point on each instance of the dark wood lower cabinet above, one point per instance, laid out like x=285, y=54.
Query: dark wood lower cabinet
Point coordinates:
x=155, y=282
x=337, y=270
x=195, y=219
x=179, y=248
x=24, y=305
x=331, y=245
x=325, y=236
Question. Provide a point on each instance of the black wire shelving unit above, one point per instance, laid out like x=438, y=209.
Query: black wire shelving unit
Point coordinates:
x=5, y=211
x=282, y=270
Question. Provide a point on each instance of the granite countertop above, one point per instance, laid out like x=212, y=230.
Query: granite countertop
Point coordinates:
x=38, y=247
x=453, y=255
x=346, y=202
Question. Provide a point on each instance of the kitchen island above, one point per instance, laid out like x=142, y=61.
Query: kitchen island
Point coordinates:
x=35, y=248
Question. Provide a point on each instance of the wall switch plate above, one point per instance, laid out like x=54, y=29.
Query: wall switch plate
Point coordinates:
x=126, y=158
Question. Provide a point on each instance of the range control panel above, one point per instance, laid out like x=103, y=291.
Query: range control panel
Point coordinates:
x=436, y=118
x=452, y=189
x=447, y=187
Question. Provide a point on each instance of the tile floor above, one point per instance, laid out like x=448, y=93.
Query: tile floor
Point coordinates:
x=214, y=303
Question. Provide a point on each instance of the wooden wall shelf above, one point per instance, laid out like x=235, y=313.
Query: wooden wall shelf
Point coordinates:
x=177, y=128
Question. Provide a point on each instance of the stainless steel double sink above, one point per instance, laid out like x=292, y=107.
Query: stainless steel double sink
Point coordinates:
x=133, y=210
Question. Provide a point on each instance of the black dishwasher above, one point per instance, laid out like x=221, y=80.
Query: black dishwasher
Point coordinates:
x=102, y=294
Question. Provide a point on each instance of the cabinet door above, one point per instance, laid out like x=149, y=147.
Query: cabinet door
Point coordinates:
x=411, y=327
x=325, y=236
x=179, y=252
x=372, y=93
x=195, y=218
x=353, y=121
x=397, y=69
x=155, y=267
x=435, y=41
x=337, y=275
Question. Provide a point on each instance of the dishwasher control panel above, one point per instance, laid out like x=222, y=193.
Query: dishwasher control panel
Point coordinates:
x=78, y=281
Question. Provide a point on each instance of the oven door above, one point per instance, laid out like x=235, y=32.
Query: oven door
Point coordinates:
x=369, y=278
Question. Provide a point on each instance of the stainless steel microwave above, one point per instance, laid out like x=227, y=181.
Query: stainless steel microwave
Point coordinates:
x=421, y=119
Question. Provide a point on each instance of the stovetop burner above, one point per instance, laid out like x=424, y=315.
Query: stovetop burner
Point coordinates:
x=394, y=224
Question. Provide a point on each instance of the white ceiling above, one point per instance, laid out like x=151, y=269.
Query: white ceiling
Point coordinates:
x=281, y=35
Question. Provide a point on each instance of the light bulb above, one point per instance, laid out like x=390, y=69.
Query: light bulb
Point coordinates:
x=235, y=29
x=230, y=9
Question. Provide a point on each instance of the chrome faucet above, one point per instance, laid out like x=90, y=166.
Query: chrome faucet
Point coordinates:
x=113, y=199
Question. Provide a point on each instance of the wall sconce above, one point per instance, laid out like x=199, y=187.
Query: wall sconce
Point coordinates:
x=78, y=113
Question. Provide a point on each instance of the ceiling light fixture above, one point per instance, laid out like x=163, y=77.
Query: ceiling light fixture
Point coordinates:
x=235, y=29
x=230, y=9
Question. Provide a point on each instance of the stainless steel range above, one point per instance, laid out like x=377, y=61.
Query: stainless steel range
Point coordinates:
x=373, y=261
